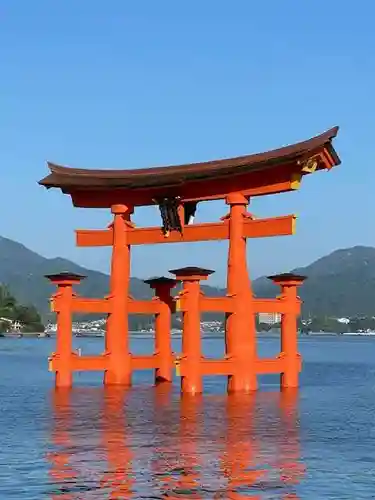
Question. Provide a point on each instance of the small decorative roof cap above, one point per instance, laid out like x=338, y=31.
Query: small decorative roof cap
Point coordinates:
x=287, y=277
x=191, y=271
x=65, y=276
x=160, y=280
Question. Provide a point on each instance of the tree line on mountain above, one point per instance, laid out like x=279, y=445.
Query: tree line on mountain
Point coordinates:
x=341, y=284
x=12, y=312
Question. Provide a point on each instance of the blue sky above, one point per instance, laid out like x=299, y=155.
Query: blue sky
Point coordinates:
x=127, y=84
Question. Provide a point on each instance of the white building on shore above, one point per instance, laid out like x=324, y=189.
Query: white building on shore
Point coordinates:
x=269, y=318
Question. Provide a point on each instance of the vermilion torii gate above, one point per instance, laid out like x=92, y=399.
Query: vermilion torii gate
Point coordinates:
x=177, y=190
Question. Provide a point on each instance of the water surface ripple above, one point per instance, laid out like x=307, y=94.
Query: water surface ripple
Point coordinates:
x=151, y=443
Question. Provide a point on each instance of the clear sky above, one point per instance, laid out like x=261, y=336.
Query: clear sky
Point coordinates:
x=127, y=84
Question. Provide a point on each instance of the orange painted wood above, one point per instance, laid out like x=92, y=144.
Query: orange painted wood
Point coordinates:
x=117, y=332
x=277, y=180
x=240, y=329
x=214, y=304
x=84, y=305
x=263, y=366
x=289, y=339
x=94, y=237
x=256, y=228
x=269, y=188
x=152, y=361
x=90, y=363
x=63, y=300
x=163, y=324
x=217, y=367
x=191, y=380
x=143, y=306
x=144, y=362
x=256, y=182
x=208, y=367
x=275, y=306
x=101, y=362
x=275, y=226
x=227, y=304
x=78, y=363
x=87, y=305
x=228, y=366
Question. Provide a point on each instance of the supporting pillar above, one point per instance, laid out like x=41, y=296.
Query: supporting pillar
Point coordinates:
x=61, y=360
x=117, y=334
x=163, y=319
x=289, y=327
x=240, y=331
x=191, y=377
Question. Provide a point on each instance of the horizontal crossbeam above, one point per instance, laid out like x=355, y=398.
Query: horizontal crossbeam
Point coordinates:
x=253, y=228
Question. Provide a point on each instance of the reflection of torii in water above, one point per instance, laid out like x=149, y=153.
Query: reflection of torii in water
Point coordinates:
x=233, y=459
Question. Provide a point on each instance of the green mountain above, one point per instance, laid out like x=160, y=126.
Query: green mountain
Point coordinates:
x=23, y=271
x=339, y=284
x=15, y=316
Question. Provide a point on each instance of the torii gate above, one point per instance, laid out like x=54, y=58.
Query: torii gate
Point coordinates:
x=177, y=190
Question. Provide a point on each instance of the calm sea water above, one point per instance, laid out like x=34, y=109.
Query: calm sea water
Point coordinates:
x=149, y=443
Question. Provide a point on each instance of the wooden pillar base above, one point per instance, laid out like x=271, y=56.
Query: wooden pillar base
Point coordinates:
x=163, y=373
x=289, y=378
x=63, y=379
x=162, y=377
x=118, y=371
x=244, y=380
x=239, y=384
x=112, y=378
x=192, y=385
x=117, y=377
x=289, y=400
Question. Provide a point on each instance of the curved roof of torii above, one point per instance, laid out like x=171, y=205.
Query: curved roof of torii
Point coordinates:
x=158, y=179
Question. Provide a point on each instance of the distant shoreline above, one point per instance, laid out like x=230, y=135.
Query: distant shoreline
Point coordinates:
x=151, y=335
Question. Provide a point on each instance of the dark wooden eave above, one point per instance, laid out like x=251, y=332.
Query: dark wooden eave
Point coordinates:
x=158, y=178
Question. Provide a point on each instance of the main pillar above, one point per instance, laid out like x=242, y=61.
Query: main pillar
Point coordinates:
x=289, y=327
x=163, y=320
x=117, y=334
x=191, y=373
x=61, y=360
x=240, y=330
